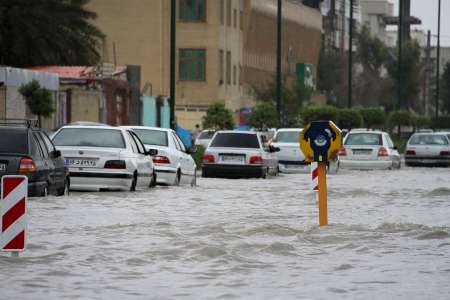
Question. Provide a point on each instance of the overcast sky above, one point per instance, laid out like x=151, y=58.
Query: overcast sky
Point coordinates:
x=427, y=11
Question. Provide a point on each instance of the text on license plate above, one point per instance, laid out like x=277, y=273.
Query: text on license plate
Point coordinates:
x=80, y=162
x=233, y=159
x=2, y=167
x=362, y=152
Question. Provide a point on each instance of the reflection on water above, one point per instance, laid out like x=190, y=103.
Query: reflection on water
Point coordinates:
x=389, y=237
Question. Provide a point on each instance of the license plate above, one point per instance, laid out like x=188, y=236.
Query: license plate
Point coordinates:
x=80, y=162
x=362, y=152
x=2, y=167
x=233, y=159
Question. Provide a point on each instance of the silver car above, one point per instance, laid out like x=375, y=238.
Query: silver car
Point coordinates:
x=428, y=149
x=104, y=157
x=366, y=149
x=239, y=154
x=204, y=138
x=290, y=157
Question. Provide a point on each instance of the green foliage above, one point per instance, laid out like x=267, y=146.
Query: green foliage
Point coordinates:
x=421, y=122
x=317, y=113
x=218, y=117
x=400, y=118
x=293, y=98
x=264, y=115
x=348, y=118
x=372, y=53
x=445, y=94
x=441, y=122
x=48, y=32
x=39, y=100
x=331, y=76
x=373, y=116
x=399, y=142
x=197, y=156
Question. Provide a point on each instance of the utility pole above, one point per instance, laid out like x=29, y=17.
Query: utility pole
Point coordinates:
x=438, y=60
x=173, y=49
x=279, y=33
x=400, y=46
x=350, y=55
x=426, y=93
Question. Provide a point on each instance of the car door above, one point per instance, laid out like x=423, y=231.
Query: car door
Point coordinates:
x=60, y=170
x=185, y=159
x=143, y=162
x=48, y=167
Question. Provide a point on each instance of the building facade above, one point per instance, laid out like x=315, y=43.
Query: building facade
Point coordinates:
x=224, y=47
x=374, y=14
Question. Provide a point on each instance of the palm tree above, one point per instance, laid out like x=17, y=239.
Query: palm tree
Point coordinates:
x=43, y=32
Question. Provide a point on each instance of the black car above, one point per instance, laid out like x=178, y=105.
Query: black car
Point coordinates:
x=27, y=150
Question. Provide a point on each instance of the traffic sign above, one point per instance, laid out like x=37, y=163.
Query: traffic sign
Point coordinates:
x=13, y=213
x=320, y=141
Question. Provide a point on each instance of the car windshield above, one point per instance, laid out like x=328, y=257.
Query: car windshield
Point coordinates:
x=89, y=137
x=13, y=141
x=205, y=135
x=287, y=137
x=364, y=139
x=429, y=139
x=235, y=140
x=152, y=137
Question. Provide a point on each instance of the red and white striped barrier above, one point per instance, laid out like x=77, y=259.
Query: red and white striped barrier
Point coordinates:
x=314, y=176
x=13, y=218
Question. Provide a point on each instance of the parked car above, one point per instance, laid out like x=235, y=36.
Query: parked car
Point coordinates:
x=428, y=149
x=26, y=150
x=239, y=154
x=105, y=158
x=204, y=138
x=290, y=157
x=173, y=163
x=367, y=149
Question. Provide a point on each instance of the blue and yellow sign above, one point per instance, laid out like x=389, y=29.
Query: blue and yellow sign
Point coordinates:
x=320, y=141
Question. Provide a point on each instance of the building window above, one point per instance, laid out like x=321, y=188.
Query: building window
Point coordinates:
x=235, y=18
x=222, y=12
x=192, y=64
x=240, y=75
x=234, y=75
x=192, y=10
x=221, y=58
x=228, y=70
x=229, y=13
x=241, y=20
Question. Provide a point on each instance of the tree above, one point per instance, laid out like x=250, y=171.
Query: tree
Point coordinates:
x=332, y=77
x=263, y=116
x=348, y=118
x=445, y=94
x=39, y=100
x=44, y=32
x=218, y=117
x=373, y=116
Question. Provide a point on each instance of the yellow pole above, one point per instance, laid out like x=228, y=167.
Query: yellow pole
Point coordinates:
x=323, y=209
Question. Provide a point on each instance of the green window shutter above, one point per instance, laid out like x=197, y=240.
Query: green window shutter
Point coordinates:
x=192, y=64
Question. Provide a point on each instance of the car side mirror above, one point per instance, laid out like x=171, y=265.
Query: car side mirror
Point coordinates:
x=56, y=154
x=151, y=152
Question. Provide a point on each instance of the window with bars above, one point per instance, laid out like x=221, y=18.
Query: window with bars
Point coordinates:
x=234, y=75
x=228, y=68
x=222, y=12
x=235, y=18
x=192, y=10
x=229, y=13
x=221, y=69
x=192, y=65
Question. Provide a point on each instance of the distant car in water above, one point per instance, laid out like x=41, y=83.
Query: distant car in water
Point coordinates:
x=290, y=157
x=428, y=149
x=173, y=163
x=239, y=154
x=204, y=138
x=105, y=158
x=26, y=150
x=367, y=149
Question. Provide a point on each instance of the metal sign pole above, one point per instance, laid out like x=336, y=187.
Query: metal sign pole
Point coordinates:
x=323, y=200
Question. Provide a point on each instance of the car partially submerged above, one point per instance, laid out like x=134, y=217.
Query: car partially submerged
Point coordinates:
x=239, y=154
x=428, y=149
x=290, y=157
x=105, y=158
x=367, y=149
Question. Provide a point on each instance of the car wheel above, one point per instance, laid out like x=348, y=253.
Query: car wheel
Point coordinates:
x=153, y=181
x=194, y=179
x=64, y=191
x=177, y=178
x=133, y=183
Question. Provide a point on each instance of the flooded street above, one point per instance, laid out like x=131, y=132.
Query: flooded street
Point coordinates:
x=389, y=238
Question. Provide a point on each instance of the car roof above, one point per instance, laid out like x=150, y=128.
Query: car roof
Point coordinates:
x=366, y=131
x=146, y=127
x=238, y=131
x=289, y=129
x=92, y=127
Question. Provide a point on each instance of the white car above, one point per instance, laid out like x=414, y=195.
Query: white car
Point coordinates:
x=290, y=157
x=173, y=162
x=428, y=149
x=104, y=158
x=204, y=138
x=239, y=154
x=366, y=149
